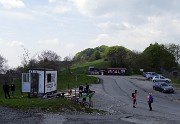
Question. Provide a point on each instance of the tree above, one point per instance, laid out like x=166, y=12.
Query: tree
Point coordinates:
x=175, y=50
x=3, y=66
x=135, y=61
x=117, y=56
x=26, y=57
x=49, y=59
x=159, y=57
x=67, y=62
x=97, y=55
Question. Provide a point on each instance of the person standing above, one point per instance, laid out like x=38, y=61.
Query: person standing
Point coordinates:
x=150, y=101
x=12, y=87
x=84, y=95
x=6, y=90
x=134, y=98
x=87, y=88
x=91, y=93
x=80, y=90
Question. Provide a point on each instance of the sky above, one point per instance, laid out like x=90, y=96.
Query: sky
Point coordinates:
x=70, y=26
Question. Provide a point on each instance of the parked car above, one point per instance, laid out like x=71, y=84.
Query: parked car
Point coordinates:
x=160, y=78
x=163, y=87
x=144, y=74
x=150, y=75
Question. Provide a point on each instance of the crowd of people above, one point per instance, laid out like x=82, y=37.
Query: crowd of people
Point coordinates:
x=86, y=92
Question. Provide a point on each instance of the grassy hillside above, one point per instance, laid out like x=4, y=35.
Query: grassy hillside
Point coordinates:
x=83, y=68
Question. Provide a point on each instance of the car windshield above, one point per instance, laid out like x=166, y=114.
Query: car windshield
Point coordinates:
x=164, y=84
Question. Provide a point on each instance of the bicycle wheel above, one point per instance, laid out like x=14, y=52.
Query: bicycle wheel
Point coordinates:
x=86, y=105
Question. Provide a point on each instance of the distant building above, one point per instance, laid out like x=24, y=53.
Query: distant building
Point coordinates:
x=108, y=71
x=116, y=71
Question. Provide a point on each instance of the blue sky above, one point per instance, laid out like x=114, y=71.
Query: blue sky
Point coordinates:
x=69, y=26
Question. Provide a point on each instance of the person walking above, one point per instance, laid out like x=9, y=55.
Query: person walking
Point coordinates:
x=150, y=101
x=12, y=87
x=6, y=90
x=134, y=98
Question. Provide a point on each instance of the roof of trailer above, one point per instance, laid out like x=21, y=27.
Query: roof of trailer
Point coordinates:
x=42, y=69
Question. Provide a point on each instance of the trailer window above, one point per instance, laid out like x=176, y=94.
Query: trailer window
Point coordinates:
x=48, y=77
x=25, y=77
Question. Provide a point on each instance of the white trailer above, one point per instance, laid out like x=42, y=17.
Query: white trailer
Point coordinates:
x=39, y=81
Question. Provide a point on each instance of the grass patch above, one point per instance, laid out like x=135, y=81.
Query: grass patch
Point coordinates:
x=176, y=82
x=71, y=80
x=46, y=105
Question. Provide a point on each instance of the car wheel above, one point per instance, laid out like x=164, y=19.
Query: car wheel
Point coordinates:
x=163, y=91
x=167, y=81
x=154, y=88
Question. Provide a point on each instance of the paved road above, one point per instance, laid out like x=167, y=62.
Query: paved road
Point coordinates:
x=116, y=94
x=113, y=96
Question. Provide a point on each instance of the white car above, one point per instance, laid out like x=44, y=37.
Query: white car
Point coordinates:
x=150, y=75
x=161, y=79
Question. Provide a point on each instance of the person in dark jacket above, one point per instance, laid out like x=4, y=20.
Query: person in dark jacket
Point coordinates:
x=87, y=87
x=6, y=90
x=150, y=101
x=80, y=90
x=12, y=87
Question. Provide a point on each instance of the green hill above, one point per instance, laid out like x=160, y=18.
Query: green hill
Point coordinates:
x=83, y=68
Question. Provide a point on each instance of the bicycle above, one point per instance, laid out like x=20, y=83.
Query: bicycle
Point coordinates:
x=84, y=104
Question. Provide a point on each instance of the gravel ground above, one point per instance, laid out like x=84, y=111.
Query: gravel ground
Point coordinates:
x=113, y=96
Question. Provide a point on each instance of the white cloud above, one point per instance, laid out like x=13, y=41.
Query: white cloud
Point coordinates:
x=60, y=9
x=59, y=6
x=52, y=1
x=135, y=11
x=49, y=42
x=101, y=38
x=12, y=3
x=110, y=26
x=16, y=15
x=11, y=50
x=70, y=46
x=1, y=41
x=15, y=43
x=85, y=6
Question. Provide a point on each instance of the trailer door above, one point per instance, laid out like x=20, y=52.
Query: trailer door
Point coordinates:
x=26, y=86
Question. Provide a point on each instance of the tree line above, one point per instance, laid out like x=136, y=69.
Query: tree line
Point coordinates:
x=155, y=57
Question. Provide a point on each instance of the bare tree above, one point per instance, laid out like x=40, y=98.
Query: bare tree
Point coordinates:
x=3, y=66
x=67, y=62
x=49, y=55
x=26, y=57
x=49, y=59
